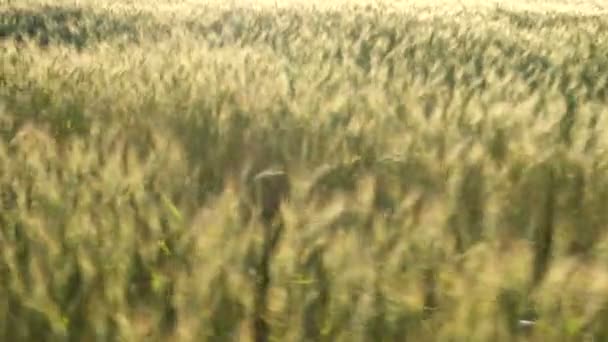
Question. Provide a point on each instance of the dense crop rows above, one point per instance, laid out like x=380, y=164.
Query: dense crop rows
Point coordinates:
x=441, y=177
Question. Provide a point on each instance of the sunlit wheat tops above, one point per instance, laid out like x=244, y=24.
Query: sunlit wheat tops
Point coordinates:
x=303, y=170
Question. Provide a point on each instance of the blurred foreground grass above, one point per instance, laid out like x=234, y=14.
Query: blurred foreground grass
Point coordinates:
x=203, y=172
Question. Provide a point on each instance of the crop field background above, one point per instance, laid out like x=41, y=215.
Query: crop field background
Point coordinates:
x=303, y=170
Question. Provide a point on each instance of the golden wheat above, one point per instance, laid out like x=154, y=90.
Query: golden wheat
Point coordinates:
x=303, y=170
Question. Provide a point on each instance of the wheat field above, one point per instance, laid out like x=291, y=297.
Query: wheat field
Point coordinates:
x=297, y=170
